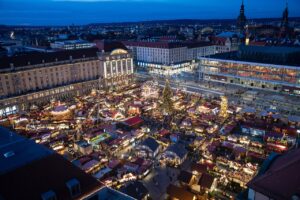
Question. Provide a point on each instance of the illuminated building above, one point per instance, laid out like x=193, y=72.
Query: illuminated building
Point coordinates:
x=267, y=68
x=168, y=57
x=40, y=76
x=71, y=44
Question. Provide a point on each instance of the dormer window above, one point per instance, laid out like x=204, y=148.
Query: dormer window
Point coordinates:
x=50, y=195
x=74, y=187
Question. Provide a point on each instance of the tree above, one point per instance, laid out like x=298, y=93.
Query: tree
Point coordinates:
x=224, y=106
x=167, y=104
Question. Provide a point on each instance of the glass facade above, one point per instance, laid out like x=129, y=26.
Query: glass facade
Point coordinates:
x=267, y=76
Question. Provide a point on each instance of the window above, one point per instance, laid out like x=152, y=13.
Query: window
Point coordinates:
x=74, y=187
x=50, y=195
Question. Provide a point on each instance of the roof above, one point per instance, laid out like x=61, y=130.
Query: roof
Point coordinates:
x=136, y=190
x=151, y=143
x=179, y=193
x=109, y=46
x=17, y=151
x=281, y=180
x=263, y=54
x=35, y=58
x=206, y=181
x=109, y=193
x=49, y=173
x=178, y=149
x=229, y=35
x=71, y=42
x=185, y=177
x=166, y=44
x=200, y=168
x=133, y=121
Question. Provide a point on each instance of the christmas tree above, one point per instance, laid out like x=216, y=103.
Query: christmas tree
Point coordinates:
x=167, y=104
x=224, y=106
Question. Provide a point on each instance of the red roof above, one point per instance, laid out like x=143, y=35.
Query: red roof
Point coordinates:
x=133, y=121
x=164, y=132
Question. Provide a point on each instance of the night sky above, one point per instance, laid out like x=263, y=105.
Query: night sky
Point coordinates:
x=65, y=12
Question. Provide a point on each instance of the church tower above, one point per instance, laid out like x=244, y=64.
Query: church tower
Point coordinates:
x=285, y=17
x=241, y=20
x=284, y=27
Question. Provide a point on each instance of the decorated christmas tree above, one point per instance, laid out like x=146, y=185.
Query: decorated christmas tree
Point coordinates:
x=224, y=107
x=167, y=104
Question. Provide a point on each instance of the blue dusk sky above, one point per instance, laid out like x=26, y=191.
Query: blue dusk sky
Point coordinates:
x=65, y=12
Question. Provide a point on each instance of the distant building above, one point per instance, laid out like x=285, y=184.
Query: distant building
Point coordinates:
x=168, y=57
x=284, y=26
x=3, y=51
x=278, y=178
x=241, y=20
x=71, y=44
x=12, y=47
x=282, y=34
x=226, y=42
x=267, y=68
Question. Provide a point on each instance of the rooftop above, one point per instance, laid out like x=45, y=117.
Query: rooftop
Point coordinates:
x=39, y=176
x=281, y=179
x=206, y=181
x=178, y=149
x=35, y=58
x=108, y=193
x=66, y=42
x=151, y=143
x=185, y=177
x=179, y=193
x=29, y=170
x=165, y=44
x=136, y=190
x=17, y=151
x=264, y=54
x=109, y=46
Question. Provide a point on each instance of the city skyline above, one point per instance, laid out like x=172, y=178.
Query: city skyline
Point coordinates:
x=32, y=12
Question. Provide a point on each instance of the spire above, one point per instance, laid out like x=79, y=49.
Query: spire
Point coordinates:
x=241, y=21
x=285, y=16
x=242, y=10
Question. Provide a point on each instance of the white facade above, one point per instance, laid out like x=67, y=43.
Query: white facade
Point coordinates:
x=71, y=44
x=168, y=56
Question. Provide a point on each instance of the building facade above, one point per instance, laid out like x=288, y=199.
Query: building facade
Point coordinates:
x=40, y=76
x=71, y=44
x=279, y=78
x=168, y=57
